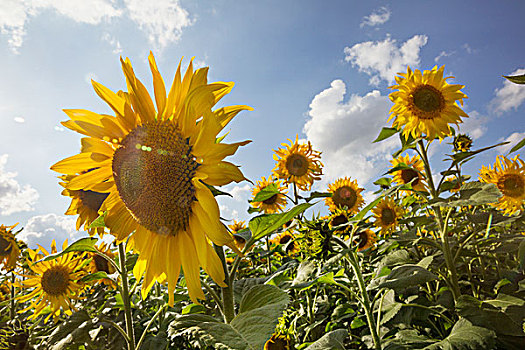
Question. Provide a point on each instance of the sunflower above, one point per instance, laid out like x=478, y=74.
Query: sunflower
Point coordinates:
x=509, y=176
x=156, y=162
x=286, y=238
x=414, y=172
x=85, y=204
x=5, y=292
x=100, y=264
x=386, y=215
x=367, y=239
x=234, y=228
x=298, y=164
x=346, y=194
x=425, y=103
x=339, y=217
x=462, y=143
x=275, y=203
x=56, y=282
x=277, y=341
x=9, y=250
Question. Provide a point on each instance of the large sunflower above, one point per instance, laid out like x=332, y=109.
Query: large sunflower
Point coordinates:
x=386, y=215
x=9, y=250
x=345, y=194
x=298, y=163
x=85, y=204
x=414, y=172
x=155, y=162
x=55, y=282
x=275, y=203
x=425, y=103
x=509, y=176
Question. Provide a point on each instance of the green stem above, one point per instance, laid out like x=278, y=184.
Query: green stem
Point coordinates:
x=12, y=305
x=228, y=306
x=143, y=336
x=125, y=297
x=214, y=296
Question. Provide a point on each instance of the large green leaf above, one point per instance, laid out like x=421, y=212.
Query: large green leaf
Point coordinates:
x=82, y=245
x=266, y=193
x=385, y=133
x=330, y=341
x=518, y=146
x=265, y=224
x=473, y=193
x=516, y=79
x=465, y=336
x=405, y=276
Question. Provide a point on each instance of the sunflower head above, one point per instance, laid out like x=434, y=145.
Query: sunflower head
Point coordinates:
x=337, y=218
x=509, y=176
x=288, y=240
x=298, y=163
x=425, y=104
x=346, y=194
x=55, y=283
x=411, y=172
x=462, y=143
x=100, y=264
x=5, y=292
x=235, y=228
x=9, y=250
x=278, y=341
x=386, y=215
x=276, y=202
x=155, y=159
x=367, y=239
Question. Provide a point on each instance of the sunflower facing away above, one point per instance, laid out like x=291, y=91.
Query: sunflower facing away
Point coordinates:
x=55, y=282
x=155, y=160
x=339, y=217
x=100, y=264
x=386, y=215
x=367, y=239
x=85, y=204
x=415, y=172
x=346, y=194
x=234, y=228
x=298, y=163
x=275, y=203
x=462, y=143
x=425, y=103
x=9, y=251
x=509, y=176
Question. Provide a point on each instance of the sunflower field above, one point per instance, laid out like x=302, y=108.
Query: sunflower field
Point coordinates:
x=436, y=260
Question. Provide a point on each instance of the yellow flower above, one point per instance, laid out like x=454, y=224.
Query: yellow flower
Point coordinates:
x=339, y=217
x=425, y=103
x=509, y=176
x=386, y=215
x=234, y=228
x=287, y=239
x=404, y=176
x=462, y=143
x=9, y=250
x=275, y=203
x=346, y=194
x=298, y=164
x=100, y=264
x=367, y=239
x=85, y=204
x=278, y=341
x=55, y=282
x=155, y=162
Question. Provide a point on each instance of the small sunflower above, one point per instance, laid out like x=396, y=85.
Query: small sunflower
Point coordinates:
x=100, y=264
x=278, y=341
x=56, y=282
x=9, y=250
x=275, y=203
x=286, y=238
x=155, y=159
x=462, y=143
x=5, y=292
x=415, y=171
x=509, y=176
x=85, y=204
x=367, y=239
x=425, y=103
x=298, y=164
x=454, y=182
x=234, y=228
x=339, y=217
x=346, y=194
x=386, y=215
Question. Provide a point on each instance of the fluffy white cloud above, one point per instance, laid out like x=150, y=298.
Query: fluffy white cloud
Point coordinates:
x=161, y=20
x=379, y=16
x=19, y=120
x=14, y=198
x=113, y=42
x=240, y=193
x=475, y=126
x=42, y=229
x=510, y=96
x=514, y=138
x=382, y=60
x=344, y=132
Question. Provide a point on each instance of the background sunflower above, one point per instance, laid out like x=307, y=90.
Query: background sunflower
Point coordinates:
x=9, y=250
x=346, y=194
x=386, y=215
x=275, y=203
x=413, y=173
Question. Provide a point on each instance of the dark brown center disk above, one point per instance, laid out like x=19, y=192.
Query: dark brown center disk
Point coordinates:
x=55, y=280
x=512, y=185
x=428, y=99
x=388, y=216
x=344, y=196
x=5, y=246
x=297, y=164
x=408, y=174
x=153, y=171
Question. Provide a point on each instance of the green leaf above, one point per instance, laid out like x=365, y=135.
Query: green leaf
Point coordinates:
x=385, y=133
x=330, y=341
x=306, y=275
x=357, y=322
x=521, y=254
x=74, y=329
x=99, y=222
x=193, y=309
x=216, y=192
x=463, y=157
x=518, y=146
x=465, y=336
x=473, y=193
x=316, y=194
x=82, y=245
x=266, y=193
x=95, y=276
x=360, y=216
x=516, y=79
x=265, y=224
x=405, y=276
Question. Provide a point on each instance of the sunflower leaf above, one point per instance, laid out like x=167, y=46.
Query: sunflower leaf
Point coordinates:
x=99, y=222
x=465, y=336
x=518, y=146
x=265, y=224
x=95, y=276
x=385, y=133
x=405, y=276
x=330, y=341
x=266, y=193
x=463, y=157
x=82, y=245
x=516, y=79
x=473, y=193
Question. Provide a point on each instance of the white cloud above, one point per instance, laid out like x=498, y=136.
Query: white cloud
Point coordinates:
x=161, y=20
x=379, y=16
x=42, y=229
x=344, y=132
x=443, y=54
x=240, y=193
x=513, y=139
x=382, y=60
x=14, y=198
x=19, y=120
x=508, y=97
x=113, y=42
x=58, y=128
x=475, y=126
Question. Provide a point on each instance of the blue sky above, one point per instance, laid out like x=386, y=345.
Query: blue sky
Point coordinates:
x=317, y=69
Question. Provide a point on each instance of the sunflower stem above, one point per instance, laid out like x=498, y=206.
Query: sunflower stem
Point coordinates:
x=228, y=306
x=143, y=336
x=12, y=305
x=125, y=297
